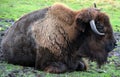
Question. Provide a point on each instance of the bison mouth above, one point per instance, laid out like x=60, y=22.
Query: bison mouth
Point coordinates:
x=110, y=46
x=101, y=56
x=98, y=55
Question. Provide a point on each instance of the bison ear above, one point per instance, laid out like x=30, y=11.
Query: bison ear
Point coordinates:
x=81, y=24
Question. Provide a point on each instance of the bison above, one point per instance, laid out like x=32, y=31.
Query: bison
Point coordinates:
x=56, y=38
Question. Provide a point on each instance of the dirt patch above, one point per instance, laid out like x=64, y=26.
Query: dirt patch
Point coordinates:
x=1, y=54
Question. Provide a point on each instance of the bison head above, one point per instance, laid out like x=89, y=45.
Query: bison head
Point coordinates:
x=96, y=37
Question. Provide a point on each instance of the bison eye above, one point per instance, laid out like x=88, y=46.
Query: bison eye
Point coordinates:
x=100, y=27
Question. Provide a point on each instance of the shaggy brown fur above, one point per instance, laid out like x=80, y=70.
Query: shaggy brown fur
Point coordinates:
x=94, y=46
x=55, y=39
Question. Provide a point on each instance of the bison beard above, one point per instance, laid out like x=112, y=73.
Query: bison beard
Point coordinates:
x=55, y=39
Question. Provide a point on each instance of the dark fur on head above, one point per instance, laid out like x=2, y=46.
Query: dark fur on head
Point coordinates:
x=93, y=46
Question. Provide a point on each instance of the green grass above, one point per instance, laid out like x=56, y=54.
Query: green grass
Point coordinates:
x=19, y=71
x=14, y=9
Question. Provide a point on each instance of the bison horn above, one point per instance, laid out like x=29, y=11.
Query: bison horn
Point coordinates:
x=93, y=27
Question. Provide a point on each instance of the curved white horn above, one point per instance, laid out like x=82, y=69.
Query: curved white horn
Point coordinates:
x=93, y=27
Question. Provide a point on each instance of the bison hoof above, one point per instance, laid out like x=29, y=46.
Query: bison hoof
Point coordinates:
x=56, y=68
x=82, y=66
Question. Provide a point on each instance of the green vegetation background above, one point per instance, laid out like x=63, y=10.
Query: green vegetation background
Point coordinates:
x=14, y=9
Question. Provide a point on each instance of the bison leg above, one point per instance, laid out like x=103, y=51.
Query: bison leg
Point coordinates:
x=56, y=68
x=46, y=61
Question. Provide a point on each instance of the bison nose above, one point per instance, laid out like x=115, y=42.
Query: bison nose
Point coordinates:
x=110, y=46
